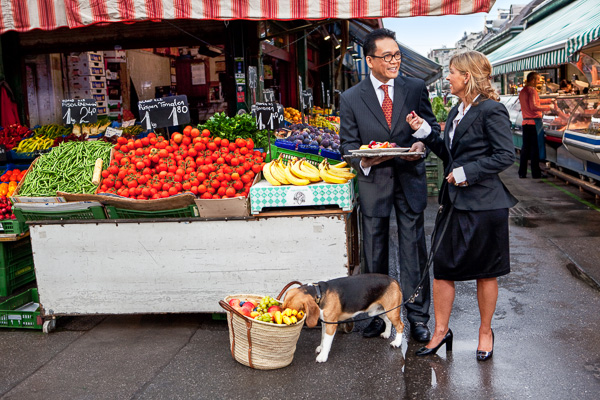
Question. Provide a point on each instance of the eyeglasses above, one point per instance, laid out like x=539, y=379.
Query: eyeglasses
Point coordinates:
x=388, y=57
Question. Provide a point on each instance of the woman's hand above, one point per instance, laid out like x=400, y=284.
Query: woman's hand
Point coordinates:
x=450, y=179
x=414, y=120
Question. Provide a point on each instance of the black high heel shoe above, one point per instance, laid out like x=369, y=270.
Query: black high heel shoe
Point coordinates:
x=486, y=355
x=447, y=340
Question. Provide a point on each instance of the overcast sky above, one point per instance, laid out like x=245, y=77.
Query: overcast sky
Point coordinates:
x=426, y=33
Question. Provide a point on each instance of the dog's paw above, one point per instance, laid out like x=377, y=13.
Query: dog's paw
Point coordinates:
x=318, y=349
x=397, y=342
x=321, y=358
x=385, y=334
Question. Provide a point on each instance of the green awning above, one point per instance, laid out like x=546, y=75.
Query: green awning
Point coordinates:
x=552, y=41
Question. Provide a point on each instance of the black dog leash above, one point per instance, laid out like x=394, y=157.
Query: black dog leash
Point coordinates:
x=413, y=297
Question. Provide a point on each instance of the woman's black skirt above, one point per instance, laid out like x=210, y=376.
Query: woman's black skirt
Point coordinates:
x=474, y=245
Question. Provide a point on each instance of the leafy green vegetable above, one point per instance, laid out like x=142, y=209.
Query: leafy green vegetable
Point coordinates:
x=439, y=110
x=240, y=126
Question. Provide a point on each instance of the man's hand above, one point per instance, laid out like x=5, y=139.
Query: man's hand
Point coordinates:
x=368, y=162
x=416, y=147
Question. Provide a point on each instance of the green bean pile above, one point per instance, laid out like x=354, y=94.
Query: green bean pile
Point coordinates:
x=67, y=168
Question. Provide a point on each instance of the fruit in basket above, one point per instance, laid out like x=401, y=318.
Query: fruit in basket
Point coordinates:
x=234, y=302
x=277, y=318
x=305, y=134
x=273, y=309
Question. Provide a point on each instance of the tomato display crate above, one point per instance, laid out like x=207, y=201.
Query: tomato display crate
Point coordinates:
x=13, y=314
x=288, y=154
x=11, y=252
x=122, y=213
x=59, y=211
x=13, y=226
x=17, y=274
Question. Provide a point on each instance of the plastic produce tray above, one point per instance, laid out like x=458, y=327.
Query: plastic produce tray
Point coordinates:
x=17, y=274
x=288, y=154
x=92, y=212
x=11, y=317
x=122, y=213
x=13, y=226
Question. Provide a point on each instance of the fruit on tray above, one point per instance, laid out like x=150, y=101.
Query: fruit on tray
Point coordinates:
x=378, y=145
x=300, y=172
x=268, y=310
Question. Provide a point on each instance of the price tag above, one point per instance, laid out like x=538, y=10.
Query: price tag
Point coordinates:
x=110, y=132
x=269, y=95
x=252, y=73
x=2, y=153
x=166, y=111
x=79, y=111
x=307, y=98
x=125, y=124
x=267, y=115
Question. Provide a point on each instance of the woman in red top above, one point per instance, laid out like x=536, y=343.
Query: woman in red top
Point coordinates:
x=531, y=108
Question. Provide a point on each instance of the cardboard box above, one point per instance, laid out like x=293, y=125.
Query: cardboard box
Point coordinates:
x=102, y=110
x=88, y=82
x=88, y=94
x=116, y=56
x=226, y=208
x=263, y=195
x=76, y=70
x=91, y=56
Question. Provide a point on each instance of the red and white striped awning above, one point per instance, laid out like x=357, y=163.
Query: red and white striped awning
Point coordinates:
x=26, y=15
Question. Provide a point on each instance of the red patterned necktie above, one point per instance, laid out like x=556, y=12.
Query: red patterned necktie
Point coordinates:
x=387, y=105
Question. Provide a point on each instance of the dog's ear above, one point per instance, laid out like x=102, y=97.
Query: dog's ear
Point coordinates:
x=313, y=312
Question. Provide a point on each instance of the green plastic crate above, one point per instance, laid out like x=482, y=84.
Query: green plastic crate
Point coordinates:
x=10, y=317
x=13, y=226
x=287, y=155
x=11, y=252
x=92, y=212
x=17, y=274
x=122, y=213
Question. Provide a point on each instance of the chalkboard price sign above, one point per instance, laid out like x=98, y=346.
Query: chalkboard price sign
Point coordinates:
x=269, y=95
x=165, y=111
x=268, y=115
x=307, y=98
x=79, y=111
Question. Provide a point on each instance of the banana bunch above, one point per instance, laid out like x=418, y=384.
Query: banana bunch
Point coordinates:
x=300, y=172
x=33, y=144
x=335, y=174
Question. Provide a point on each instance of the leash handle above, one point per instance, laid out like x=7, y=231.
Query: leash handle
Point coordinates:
x=287, y=287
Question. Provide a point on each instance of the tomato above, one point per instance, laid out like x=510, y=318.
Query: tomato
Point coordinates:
x=212, y=146
x=140, y=165
x=246, y=178
x=187, y=130
x=186, y=186
x=201, y=189
x=256, y=168
x=217, y=141
x=177, y=137
x=215, y=183
x=199, y=146
x=205, y=133
x=221, y=191
x=237, y=185
x=244, y=150
x=195, y=133
x=232, y=146
x=235, y=162
x=192, y=152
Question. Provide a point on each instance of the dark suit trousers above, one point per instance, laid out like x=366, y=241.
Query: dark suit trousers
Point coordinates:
x=412, y=253
x=530, y=151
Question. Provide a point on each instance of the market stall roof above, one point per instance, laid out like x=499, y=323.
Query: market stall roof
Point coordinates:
x=414, y=64
x=23, y=16
x=550, y=42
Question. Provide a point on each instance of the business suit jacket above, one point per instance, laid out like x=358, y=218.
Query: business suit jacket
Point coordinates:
x=482, y=145
x=363, y=121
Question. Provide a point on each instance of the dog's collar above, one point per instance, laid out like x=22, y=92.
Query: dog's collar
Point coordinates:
x=318, y=294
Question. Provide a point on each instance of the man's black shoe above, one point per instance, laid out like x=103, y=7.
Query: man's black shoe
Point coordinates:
x=375, y=328
x=420, y=332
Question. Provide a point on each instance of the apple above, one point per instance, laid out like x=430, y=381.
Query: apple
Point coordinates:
x=245, y=311
x=273, y=309
x=250, y=305
x=234, y=302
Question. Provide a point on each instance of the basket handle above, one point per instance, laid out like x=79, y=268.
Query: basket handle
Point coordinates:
x=248, y=322
x=286, y=288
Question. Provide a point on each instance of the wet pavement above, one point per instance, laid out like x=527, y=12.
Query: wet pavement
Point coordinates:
x=547, y=330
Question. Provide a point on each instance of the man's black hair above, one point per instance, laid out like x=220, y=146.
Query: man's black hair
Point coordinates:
x=369, y=46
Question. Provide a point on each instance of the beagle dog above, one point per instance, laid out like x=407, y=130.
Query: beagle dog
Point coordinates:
x=343, y=298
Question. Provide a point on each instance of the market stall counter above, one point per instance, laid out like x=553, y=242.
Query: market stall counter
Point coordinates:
x=186, y=264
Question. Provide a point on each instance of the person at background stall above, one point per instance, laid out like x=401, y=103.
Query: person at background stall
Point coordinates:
x=565, y=86
x=470, y=240
x=534, y=147
x=375, y=110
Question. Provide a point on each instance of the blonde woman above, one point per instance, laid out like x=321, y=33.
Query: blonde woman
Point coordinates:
x=472, y=228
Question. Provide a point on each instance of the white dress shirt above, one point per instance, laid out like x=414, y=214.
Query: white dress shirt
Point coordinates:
x=424, y=130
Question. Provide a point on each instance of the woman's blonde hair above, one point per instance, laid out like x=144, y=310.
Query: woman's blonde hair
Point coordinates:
x=480, y=70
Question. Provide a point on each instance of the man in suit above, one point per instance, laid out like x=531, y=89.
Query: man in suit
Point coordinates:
x=376, y=110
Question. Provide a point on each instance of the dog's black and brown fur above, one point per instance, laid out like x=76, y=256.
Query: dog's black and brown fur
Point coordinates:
x=343, y=298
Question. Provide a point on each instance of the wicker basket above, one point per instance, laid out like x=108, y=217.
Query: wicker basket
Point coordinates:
x=258, y=344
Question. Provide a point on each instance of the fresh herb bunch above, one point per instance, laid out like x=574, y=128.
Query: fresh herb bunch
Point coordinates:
x=240, y=126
